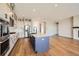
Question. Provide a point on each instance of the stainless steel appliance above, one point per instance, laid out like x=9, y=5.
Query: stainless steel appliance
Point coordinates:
x=78, y=33
x=4, y=46
x=4, y=37
x=26, y=31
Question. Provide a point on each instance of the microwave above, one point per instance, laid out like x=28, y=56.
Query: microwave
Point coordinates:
x=4, y=29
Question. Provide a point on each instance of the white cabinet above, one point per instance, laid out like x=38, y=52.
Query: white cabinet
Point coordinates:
x=13, y=40
x=4, y=9
x=2, y=16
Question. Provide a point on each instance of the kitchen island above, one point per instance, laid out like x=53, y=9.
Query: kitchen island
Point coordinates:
x=39, y=43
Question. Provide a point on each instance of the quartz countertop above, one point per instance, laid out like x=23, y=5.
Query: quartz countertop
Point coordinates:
x=40, y=35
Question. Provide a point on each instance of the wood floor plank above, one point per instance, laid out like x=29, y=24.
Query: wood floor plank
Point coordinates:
x=58, y=46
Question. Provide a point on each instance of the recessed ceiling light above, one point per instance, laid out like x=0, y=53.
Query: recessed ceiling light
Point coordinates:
x=34, y=10
x=56, y=5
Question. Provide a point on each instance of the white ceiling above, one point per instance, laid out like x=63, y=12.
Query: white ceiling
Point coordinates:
x=46, y=10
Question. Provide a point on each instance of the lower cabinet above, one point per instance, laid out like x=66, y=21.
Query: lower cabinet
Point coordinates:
x=39, y=44
x=12, y=41
x=32, y=42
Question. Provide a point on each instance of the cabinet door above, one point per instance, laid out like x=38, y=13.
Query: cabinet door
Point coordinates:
x=11, y=42
x=41, y=44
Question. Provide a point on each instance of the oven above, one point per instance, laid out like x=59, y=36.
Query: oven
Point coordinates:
x=4, y=37
x=5, y=30
x=4, y=46
x=0, y=29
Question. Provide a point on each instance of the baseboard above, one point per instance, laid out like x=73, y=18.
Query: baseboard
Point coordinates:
x=65, y=37
x=22, y=37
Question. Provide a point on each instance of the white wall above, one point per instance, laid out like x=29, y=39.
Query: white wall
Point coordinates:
x=65, y=28
x=20, y=28
x=50, y=27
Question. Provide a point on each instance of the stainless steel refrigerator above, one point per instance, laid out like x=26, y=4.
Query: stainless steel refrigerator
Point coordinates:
x=26, y=30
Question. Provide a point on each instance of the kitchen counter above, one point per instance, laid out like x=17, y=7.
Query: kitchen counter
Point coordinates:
x=40, y=43
x=40, y=35
x=12, y=32
x=4, y=38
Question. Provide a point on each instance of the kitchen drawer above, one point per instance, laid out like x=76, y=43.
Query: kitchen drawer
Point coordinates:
x=11, y=43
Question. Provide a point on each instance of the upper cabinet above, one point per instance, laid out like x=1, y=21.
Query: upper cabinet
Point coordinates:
x=4, y=10
x=11, y=6
x=7, y=12
x=13, y=16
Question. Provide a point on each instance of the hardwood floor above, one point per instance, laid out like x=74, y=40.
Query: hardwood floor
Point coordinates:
x=59, y=46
